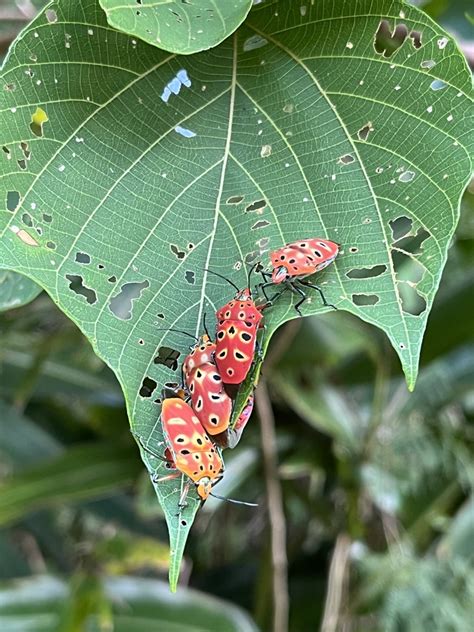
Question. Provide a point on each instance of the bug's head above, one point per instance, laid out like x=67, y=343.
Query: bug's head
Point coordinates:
x=244, y=295
x=279, y=274
x=204, y=487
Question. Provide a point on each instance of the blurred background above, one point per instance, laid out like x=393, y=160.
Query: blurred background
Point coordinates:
x=370, y=486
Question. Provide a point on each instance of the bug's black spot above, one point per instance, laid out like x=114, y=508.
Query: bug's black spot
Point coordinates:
x=239, y=356
x=248, y=324
x=215, y=398
x=184, y=452
x=214, y=420
x=201, y=467
x=191, y=388
x=199, y=404
x=222, y=354
x=302, y=245
x=245, y=336
x=318, y=254
x=220, y=335
x=230, y=372
x=199, y=374
x=232, y=330
x=291, y=260
x=216, y=377
x=211, y=467
x=180, y=440
x=283, y=257
x=199, y=441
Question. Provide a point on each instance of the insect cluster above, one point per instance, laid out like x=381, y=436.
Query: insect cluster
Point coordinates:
x=196, y=418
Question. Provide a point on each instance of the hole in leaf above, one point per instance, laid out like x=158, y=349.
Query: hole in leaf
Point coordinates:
x=7, y=153
x=9, y=87
x=47, y=218
x=255, y=206
x=162, y=316
x=147, y=387
x=353, y=249
x=22, y=164
x=167, y=357
x=366, y=273
x=77, y=286
x=260, y=224
x=190, y=277
x=365, y=300
x=25, y=149
x=235, y=199
x=83, y=257
x=112, y=279
x=400, y=227
x=38, y=119
x=51, y=245
x=51, y=16
x=13, y=200
x=346, y=159
x=364, y=132
x=437, y=84
x=412, y=301
x=428, y=64
x=263, y=242
x=413, y=243
x=27, y=219
x=180, y=254
x=388, y=42
x=251, y=256
x=121, y=305
x=406, y=176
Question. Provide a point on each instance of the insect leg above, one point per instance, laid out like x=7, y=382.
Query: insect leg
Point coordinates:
x=316, y=287
x=297, y=290
x=168, y=477
x=147, y=449
x=182, y=499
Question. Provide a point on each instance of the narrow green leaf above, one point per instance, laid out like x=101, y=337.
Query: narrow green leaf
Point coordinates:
x=177, y=26
x=137, y=170
x=84, y=472
x=16, y=290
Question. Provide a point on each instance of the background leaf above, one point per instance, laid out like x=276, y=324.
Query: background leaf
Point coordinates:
x=16, y=290
x=295, y=126
x=176, y=26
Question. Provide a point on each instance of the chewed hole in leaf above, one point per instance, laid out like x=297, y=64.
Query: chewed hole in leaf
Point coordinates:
x=180, y=254
x=83, y=257
x=365, y=300
x=167, y=357
x=413, y=243
x=408, y=269
x=51, y=245
x=255, y=206
x=235, y=199
x=25, y=149
x=12, y=200
x=112, y=279
x=27, y=219
x=51, y=16
x=38, y=119
x=363, y=133
x=366, y=273
x=77, y=286
x=388, y=41
x=147, y=388
x=346, y=159
x=260, y=224
x=22, y=164
x=251, y=256
x=47, y=218
x=400, y=227
x=190, y=277
x=121, y=305
x=412, y=301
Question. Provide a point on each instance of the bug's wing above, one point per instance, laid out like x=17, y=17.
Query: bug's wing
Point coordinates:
x=210, y=402
x=236, y=341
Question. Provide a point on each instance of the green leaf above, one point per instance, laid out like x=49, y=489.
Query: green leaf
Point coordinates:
x=177, y=26
x=16, y=290
x=83, y=472
x=136, y=604
x=137, y=170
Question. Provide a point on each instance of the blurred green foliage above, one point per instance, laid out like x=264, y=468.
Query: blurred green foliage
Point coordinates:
x=82, y=540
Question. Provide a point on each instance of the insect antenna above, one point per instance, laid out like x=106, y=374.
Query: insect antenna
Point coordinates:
x=222, y=277
x=204, y=326
x=235, y=502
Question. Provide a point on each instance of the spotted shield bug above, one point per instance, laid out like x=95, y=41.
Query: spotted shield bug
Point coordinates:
x=294, y=262
x=211, y=404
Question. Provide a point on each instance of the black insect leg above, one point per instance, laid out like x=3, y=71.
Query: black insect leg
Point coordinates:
x=318, y=289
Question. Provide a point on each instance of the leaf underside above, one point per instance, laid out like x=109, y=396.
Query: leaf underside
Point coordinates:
x=142, y=169
x=177, y=26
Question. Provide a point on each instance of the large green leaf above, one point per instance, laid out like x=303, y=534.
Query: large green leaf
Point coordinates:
x=177, y=26
x=16, y=290
x=151, y=168
x=136, y=605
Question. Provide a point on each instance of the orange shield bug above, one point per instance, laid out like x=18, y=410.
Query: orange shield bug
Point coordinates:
x=294, y=262
x=236, y=334
x=210, y=402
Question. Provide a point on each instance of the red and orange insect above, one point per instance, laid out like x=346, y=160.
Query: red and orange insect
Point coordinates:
x=210, y=402
x=295, y=261
x=189, y=449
